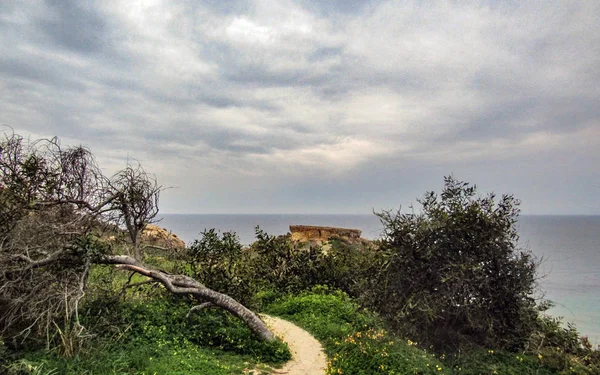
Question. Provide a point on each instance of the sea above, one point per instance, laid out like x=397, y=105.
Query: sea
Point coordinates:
x=567, y=247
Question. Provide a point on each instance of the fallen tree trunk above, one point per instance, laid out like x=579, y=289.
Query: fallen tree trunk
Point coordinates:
x=184, y=285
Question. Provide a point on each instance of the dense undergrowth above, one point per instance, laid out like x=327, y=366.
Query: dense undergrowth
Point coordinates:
x=444, y=291
x=146, y=331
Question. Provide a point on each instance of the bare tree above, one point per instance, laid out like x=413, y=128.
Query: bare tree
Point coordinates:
x=136, y=203
x=55, y=208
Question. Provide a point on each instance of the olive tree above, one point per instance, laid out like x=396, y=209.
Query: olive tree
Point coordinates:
x=451, y=271
x=56, y=210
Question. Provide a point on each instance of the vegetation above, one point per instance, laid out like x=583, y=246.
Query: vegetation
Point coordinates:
x=452, y=274
x=445, y=290
x=148, y=333
x=359, y=342
x=60, y=219
x=449, y=277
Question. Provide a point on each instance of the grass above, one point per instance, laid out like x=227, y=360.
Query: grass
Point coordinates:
x=177, y=358
x=354, y=339
x=357, y=342
x=146, y=332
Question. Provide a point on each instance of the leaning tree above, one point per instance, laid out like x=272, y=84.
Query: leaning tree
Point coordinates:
x=56, y=207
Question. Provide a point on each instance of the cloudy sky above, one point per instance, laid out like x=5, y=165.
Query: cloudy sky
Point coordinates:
x=313, y=106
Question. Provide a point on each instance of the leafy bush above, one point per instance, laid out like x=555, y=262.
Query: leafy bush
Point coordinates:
x=221, y=263
x=452, y=273
x=276, y=264
x=550, y=331
x=281, y=266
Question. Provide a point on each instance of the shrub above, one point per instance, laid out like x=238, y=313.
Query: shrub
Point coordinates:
x=452, y=273
x=221, y=263
x=281, y=266
x=272, y=263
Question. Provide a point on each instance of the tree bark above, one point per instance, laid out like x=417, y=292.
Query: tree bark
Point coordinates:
x=183, y=285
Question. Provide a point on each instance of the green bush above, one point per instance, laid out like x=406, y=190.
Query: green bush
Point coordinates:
x=276, y=264
x=551, y=332
x=221, y=263
x=452, y=274
x=281, y=266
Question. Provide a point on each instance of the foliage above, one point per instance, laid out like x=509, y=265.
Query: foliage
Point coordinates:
x=550, y=331
x=452, y=274
x=460, y=248
x=149, y=333
x=221, y=263
x=274, y=265
x=562, y=348
x=358, y=342
x=67, y=217
x=282, y=266
x=164, y=321
x=23, y=367
x=56, y=204
x=178, y=358
x=354, y=339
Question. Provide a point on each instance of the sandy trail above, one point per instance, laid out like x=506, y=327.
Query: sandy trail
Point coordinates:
x=307, y=353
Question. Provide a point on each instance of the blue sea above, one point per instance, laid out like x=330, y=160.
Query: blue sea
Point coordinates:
x=567, y=246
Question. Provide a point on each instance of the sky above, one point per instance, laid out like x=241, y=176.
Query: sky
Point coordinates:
x=312, y=106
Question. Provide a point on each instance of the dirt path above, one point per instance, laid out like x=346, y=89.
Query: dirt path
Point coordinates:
x=307, y=353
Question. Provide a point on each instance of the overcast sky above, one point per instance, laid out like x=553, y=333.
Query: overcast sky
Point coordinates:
x=316, y=106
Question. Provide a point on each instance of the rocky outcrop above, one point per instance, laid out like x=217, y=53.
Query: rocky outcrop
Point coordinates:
x=316, y=235
x=158, y=236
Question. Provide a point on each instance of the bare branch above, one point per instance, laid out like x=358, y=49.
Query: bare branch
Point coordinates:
x=199, y=307
x=183, y=285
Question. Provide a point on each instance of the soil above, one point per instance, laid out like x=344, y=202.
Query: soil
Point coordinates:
x=307, y=353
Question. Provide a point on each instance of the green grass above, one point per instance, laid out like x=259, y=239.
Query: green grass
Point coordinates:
x=354, y=339
x=153, y=337
x=146, y=332
x=174, y=358
x=357, y=342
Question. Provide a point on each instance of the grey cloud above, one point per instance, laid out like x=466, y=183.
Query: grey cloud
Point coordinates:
x=345, y=105
x=19, y=71
x=222, y=7
x=75, y=25
x=333, y=7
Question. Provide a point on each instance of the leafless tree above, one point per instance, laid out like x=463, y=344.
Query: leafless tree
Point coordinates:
x=136, y=202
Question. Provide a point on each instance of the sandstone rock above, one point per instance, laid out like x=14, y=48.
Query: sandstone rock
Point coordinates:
x=158, y=236
x=316, y=235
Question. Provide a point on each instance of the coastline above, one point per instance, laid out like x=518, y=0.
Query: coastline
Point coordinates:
x=563, y=241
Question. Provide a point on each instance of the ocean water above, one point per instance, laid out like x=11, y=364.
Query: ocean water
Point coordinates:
x=567, y=246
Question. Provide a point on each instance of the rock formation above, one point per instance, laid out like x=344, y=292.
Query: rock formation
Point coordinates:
x=158, y=236
x=316, y=235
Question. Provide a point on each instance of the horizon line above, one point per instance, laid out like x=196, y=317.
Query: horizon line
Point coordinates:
x=338, y=213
